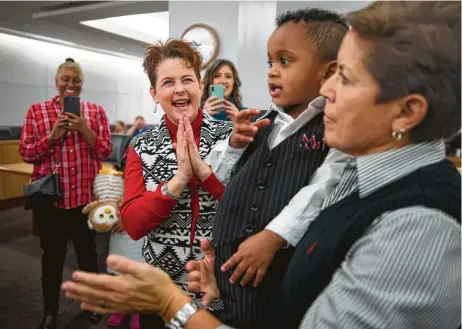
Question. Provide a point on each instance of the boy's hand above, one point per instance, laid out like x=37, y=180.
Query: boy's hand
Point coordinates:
x=244, y=130
x=201, y=276
x=254, y=255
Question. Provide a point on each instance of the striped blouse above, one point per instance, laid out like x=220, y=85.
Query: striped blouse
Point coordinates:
x=405, y=271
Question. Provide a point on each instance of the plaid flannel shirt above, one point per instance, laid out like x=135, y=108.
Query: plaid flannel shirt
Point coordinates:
x=80, y=163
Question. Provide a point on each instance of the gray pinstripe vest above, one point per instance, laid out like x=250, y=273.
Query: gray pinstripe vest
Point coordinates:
x=265, y=180
x=263, y=183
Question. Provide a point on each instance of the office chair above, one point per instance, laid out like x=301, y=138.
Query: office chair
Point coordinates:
x=6, y=133
x=120, y=145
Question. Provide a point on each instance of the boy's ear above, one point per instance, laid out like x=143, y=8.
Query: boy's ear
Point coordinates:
x=329, y=70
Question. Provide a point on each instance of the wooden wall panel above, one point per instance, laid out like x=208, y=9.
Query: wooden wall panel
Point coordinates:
x=11, y=184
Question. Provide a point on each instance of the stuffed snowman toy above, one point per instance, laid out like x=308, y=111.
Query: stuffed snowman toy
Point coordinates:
x=103, y=213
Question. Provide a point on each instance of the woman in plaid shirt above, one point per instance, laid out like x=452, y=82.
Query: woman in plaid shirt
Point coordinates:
x=85, y=142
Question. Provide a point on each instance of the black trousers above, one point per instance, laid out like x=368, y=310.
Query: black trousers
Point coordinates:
x=151, y=321
x=56, y=226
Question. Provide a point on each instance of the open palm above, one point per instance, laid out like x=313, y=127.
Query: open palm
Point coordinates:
x=201, y=277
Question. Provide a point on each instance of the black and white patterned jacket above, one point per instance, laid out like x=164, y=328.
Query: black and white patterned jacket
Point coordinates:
x=168, y=246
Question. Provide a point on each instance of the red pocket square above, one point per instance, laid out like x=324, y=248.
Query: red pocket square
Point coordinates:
x=305, y=142
x=311, y=143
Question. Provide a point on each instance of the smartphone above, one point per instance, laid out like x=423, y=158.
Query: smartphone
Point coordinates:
x=72, y=105
x=219, y=91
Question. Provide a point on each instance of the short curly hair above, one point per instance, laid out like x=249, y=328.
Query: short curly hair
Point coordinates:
x=172, y=48
x=325, y=29
x=415, y=48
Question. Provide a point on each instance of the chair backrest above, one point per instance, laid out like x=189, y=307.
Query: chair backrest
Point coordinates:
x=16, y=131
x=6, y=133
x=119, y=147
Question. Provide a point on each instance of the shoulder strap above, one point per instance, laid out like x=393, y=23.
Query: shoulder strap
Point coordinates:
x=60, y=155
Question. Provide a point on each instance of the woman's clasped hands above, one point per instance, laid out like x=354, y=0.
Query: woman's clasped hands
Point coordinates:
x=189, y=161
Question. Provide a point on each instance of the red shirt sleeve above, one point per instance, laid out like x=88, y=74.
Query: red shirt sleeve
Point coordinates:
x=30, y=149
x=213, y=186
x=103, y=146
x=142, y=210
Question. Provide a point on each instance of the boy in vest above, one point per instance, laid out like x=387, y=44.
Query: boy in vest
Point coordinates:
x=276, y=169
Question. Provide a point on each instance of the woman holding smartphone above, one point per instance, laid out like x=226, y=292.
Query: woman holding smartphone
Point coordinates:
x=222, y=72
x=75, y=144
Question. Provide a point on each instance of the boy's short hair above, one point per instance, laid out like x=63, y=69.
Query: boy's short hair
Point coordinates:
x=325, y=29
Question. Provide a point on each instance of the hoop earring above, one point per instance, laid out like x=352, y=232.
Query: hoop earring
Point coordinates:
x=397, y=136
x=155, y=108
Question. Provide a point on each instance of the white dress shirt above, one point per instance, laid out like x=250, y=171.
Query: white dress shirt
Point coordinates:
x=293, y=221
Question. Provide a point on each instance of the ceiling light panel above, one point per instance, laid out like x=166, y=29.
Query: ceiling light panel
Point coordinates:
x=148, y=28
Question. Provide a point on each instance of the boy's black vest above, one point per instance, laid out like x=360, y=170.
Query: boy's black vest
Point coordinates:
x=262, y=184
x=264, y=181
x=327, y=241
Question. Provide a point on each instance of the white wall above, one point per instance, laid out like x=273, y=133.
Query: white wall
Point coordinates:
x=221, y=15
x=27, y=67
x=242, y=37
x=243, y=28
x=252, y=62
x=27, y=76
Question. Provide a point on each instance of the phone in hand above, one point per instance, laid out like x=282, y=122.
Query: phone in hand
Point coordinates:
x=219, y=91
x=72, y=105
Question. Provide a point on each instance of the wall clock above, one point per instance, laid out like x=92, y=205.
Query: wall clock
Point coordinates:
x=205, y=38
